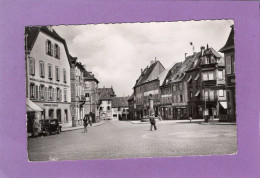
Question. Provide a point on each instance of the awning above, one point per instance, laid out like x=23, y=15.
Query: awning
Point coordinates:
x=223, y=104
x=198, y=92
x=189, y=79
x=31, y=106
x=196, y=78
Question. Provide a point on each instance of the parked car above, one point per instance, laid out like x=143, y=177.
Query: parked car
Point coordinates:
x=47, y=127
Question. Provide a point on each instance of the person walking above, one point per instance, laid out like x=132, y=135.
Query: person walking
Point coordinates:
x=153, y=122
x=85, y=120
x=190, y=117
x=90, y=119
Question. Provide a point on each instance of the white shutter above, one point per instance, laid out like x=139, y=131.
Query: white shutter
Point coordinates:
x=51, y=49
x=58, y=52
x=54, y=50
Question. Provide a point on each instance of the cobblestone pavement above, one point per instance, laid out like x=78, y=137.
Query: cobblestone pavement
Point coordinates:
x=122, y=139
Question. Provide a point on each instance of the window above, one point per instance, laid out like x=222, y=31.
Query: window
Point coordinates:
x=206, y=95
x=50, y=93
x=211, y=75
x=108, y=108
x=211, y=94
x=233, y=63
x=174, y=87
x=221, y=93
x=58, y=94
x=181, y=99
x=87, y=95
x=174, y=99
x=45, y=93
x=32, y=66
x=66, y=115
x=101, y=108
x=56, y=51
x=41, y=92
x=57, y=73
x=208, y=76
x=64, y=76
x=32, y=90
x=36, y=92
x=205, y=76
x=191, y=93
x=50, y=71
x=65, y=94
x=87, y=84
x=220, y=74
x=180, y=86
x=41, y=69
x=48, y=47
x=228, y=64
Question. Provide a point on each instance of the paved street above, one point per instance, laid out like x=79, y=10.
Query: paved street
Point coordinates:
x=122, y=139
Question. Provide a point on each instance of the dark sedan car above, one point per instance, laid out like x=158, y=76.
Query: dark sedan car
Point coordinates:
x=47, y=127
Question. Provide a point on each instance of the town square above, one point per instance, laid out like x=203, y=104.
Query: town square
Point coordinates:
x=112, y=91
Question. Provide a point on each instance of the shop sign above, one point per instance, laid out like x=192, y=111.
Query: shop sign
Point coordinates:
x=52, y=105
x=178, y=104
x=231, y=81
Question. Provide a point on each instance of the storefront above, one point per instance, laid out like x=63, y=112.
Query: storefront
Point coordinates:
x=180, y=111
x=33, y=113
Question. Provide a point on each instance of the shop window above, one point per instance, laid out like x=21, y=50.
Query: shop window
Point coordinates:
x=41, y=65
x=51, y=113
x=32, y=66
x=32, y=90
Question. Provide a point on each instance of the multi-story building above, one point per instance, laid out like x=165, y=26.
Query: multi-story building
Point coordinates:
x=120, y=108
x=166, y=99
x=206, y=85
x=105, y=96
x=131, y=106
x=229, y=53
x=147, y=86
x=48, y=66
x=90, y=90
x=77, y=92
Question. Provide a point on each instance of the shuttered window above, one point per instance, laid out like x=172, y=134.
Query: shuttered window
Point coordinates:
x=57, y=73
x=64, y=76
x=32, y=66
x=228, y=64
x=41, y=65
x=32, y=90
x=65, y=94
x=49, y=71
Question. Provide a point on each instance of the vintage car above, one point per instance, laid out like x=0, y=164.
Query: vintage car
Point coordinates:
x=47, y=127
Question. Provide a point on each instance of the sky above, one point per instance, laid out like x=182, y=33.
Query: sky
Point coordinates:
x=116, y=53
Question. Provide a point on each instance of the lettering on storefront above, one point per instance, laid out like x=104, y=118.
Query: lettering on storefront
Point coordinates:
x=178, y=104
x=52, y=105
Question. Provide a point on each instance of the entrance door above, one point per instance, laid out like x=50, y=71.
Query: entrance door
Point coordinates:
x=59, y=115
x=51, y=113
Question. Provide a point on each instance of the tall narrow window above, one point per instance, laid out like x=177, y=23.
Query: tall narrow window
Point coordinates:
x=45, y=93
x=64, y=76
x=41, y=69
x=220, y=75
x=228, y=64
x=32, y=66
x=211, y=75
x=180, y=86
x=211, y=95
x=36, y=92
x=65, y=94
x=57, y=73
x=42, y=92
x=50, y=71
x=32, y=90
x=49, y=47
x=56, y=51
x=181, y=99
x=206, y=95
x=205, y=76
x=221, y=93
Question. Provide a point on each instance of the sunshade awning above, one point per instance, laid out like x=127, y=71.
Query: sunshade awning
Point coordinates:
x=31, y=106
x=198, y=92
x=189, y=78
x=223, y=104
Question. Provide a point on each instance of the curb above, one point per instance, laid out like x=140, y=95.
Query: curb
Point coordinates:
x=81, y=127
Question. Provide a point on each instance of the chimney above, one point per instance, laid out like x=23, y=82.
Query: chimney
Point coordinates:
x=151, y=62
x=141, y=71
x=232, y=26
x=202, y=49
x=155, y=59
x=207, y=46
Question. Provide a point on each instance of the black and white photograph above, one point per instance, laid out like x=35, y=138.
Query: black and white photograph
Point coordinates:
x=130, y=90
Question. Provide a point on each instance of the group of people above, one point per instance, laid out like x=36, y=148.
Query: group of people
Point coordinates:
x=87, y=120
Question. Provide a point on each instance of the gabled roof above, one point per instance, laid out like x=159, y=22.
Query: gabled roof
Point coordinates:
x=33, y=32
x=143, y=78
x=230, y=41
x=170, y=73
x=109, y=91
x=120, y=102
x=131, y=97
x=105, y=96
x=89, y=76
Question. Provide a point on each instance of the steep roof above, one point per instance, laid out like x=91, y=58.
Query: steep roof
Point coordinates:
x=33, y=32
x=230, y=41
x=171, y=72
x=131, y=97
x=109, y=91
x=105, y=96
x=143, y=78
x=89, y=76
x=120, y=102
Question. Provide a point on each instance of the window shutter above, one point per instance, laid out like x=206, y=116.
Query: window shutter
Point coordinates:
x=51, y=49
x=58, y=52
x=46, y=46
x=60, y=94
x=54, y=50
x=33, y=66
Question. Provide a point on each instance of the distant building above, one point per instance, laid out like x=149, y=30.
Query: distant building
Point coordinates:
x=105, y=103
x=147, y=85
x=91, y=95
x=48, y=65
x=131, y=106
x=206, y=85
x=120, y=108
x=229, y=52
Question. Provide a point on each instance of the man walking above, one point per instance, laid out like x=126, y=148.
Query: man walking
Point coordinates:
x=153, y=122
x=90, y=118
x=85, y=120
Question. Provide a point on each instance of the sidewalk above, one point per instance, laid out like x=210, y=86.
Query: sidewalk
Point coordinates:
x=64, y=129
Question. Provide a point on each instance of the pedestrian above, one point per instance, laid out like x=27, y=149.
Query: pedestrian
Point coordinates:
x=190, y=117
x=85, y=120
x=153, y=122
x=90, y=119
